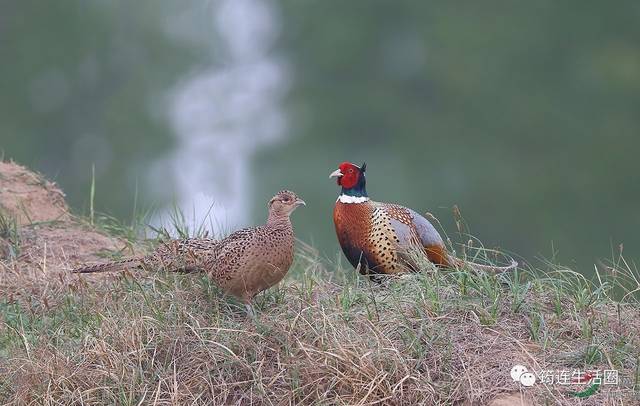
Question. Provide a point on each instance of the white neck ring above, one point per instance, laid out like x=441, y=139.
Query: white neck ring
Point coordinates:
x=352, y=199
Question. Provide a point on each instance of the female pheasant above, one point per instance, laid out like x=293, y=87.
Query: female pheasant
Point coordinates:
x=243, y=264
x=381, y=238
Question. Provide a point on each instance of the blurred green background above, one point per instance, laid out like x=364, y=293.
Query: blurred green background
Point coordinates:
x=525, y=114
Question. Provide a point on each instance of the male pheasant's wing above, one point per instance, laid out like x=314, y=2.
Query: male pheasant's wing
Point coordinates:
x=412, y=228
x=436, y=250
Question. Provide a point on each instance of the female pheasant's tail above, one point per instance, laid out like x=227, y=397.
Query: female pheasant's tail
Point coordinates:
x=484, y=268
x=128, y=263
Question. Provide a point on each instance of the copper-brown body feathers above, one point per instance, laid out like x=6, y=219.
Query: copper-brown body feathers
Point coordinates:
x=369, y=236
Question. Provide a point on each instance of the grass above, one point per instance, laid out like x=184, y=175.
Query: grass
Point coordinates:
x=324, y=336
x=9, y=236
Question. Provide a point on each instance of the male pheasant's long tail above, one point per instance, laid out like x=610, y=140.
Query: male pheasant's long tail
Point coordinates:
x=484, y=268
x=128, y=263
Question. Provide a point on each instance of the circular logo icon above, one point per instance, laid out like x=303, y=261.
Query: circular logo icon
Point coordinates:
x=527, y=379
x=517, y=371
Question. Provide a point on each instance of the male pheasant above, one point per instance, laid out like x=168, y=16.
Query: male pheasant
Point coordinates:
x=382, y=238
x=243, y=264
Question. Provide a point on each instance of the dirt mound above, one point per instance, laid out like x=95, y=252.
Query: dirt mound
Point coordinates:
x=64, y=245
x=28, y=197
x=39, y=239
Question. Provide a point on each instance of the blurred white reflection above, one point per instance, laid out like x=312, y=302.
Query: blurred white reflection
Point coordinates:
x=221, y=115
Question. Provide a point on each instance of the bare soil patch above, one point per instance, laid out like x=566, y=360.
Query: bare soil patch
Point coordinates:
x=29, y=197
x=43, y=241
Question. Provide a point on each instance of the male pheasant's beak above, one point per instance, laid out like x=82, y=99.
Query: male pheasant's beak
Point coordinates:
x=300, y=202
x=335, y=174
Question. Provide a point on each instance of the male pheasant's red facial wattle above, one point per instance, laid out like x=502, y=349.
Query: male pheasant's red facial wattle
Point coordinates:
x=350, y=175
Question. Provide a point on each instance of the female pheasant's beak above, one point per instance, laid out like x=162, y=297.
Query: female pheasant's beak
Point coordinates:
x=300, y=202
x=335, y=174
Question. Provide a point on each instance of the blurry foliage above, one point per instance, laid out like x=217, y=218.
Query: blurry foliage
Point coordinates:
x=83, y=83
x=523, y=114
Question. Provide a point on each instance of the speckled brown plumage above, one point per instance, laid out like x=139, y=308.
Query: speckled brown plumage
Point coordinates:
x=243, y=264
x=187, y=255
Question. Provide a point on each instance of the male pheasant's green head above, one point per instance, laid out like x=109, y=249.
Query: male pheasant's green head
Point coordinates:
x=353, y=182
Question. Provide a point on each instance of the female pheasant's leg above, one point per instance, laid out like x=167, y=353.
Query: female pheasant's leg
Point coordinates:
x=247, y=298
x=250, y=311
